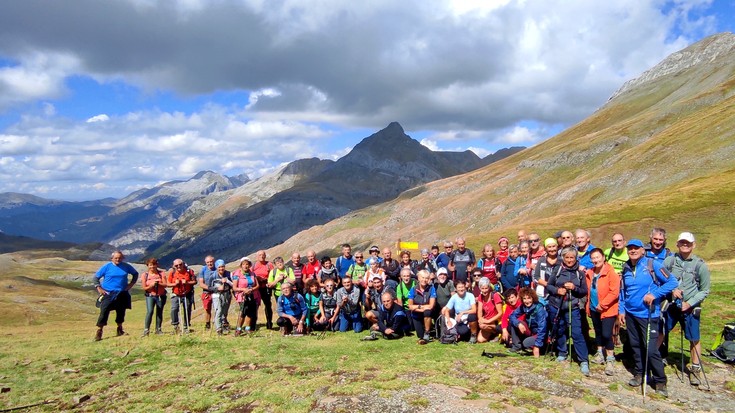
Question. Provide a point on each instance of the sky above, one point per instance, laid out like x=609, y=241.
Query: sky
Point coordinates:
x=101, y=98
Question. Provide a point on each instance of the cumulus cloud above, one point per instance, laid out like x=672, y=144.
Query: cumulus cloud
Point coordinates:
x=468, y=72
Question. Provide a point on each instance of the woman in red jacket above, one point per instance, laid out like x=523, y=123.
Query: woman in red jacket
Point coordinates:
x=603, y=286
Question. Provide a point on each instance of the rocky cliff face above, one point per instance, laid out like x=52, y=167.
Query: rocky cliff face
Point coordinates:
x=706, y=51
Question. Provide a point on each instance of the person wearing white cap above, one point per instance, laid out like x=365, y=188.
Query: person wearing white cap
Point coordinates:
x=221, y=287
x=693, y=289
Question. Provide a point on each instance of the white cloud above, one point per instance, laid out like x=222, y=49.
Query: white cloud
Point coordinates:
x=37, y=76
x=431, y=144
x=518, y=135
x=98, y=118
x=481, y=152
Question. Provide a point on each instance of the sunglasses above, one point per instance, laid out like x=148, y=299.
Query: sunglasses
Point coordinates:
x=534, y=240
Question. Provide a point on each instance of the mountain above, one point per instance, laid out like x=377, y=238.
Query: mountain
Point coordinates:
x=377, y=169
x=660, y=152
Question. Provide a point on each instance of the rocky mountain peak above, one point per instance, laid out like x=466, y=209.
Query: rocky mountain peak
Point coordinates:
x=706, y=51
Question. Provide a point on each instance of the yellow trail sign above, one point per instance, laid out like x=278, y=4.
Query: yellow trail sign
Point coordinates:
x=408, y=245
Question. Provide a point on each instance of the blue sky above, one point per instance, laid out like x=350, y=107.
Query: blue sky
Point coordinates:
x=103, y=98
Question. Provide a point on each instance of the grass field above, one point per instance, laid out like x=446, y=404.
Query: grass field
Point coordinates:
x=52, y=357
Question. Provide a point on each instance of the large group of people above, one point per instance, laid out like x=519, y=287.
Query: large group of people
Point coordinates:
x=536, y=296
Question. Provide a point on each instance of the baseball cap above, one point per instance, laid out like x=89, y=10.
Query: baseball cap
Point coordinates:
x=686, y=236
x=635, y=243
x=245, y=259
x=442, y=270
x=219, y=263
x=374, y=248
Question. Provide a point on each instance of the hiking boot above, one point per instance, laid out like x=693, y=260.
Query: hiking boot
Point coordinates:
x=186, y=330
x=427, y=338
x=561, y=359
x=207, y=326
x=422, y=342
x=636, y=381
x=159, y=332
x=661, y=390
x=371, y=337
x=694, y=371
x=514, y=350
x=98, y=335
x=237, y=333
x=473, y=339
x=219, y=331
x=269, y=325
x=120, y=331
x=145, y=333
x=610, y=366
x=584, y=367
x=599, y=358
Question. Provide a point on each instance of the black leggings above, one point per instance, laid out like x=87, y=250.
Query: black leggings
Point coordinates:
x=418, y=322
x=265, y=297
x=603, y=330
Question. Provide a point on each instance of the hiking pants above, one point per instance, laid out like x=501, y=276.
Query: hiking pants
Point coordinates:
x=637, y=337
x=603, y=330
x=562, y=330
x=218, y=305
x=154, y=302
x=354, y=319
x=119, y=302
x=177, y=300
x=417, y=320
x=520, y=341
x=265, y=297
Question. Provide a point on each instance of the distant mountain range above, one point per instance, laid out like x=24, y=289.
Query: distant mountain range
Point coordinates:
x=230, y=216
x=660, y=152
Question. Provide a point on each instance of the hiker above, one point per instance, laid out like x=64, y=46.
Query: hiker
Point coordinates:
x=344, y=261
x=603, y=286
x=694, y=286
x=545, y=266
x=644, y=283
x=221, y=287
x=427, y=264
x=327, y=272
x=442, y=260
x=357, y=271
x=521, y=269
x=374, y=252
x=391, y=268
x=372, y=272
x=111, y=282
x=297, y=267
x=182, y=281
x=291, y=310
x=584, y=247
x=207, y=273
x=617, y=255
x=444, y=291
x=421, y=301
x=535, y=251
x=328, y=307
x=391, y=321
x=474, y=287
x=314, y=310
x=528, y=323
x=522, y=237
x=511, y=303
x=407, y=262
x=279, y=275
x=154, y=286
x=348, y=300
x=434, y=253
x=262, y=269
x=508, y=277
x=373, y=299
x=461, y=261
x=312, y=266
x=566, y=287
x=489, y=266
x=407, y=283
x=503, y=252
x=489, y=311
x=656, y=248
x=462, y=307
x=247, y=295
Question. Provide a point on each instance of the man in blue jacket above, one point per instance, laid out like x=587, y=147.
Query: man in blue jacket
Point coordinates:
x=644, y=283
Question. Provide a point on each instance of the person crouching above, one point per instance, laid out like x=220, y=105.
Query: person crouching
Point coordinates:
x=291, y=309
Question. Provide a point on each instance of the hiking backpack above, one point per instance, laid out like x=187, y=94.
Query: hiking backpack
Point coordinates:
x=448, y=335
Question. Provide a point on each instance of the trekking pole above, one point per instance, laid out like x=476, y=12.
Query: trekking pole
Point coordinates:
x=701, y=366
x=554, y=328
x=569, y=338
x=186, y=315
x=645, y=362
x=681, y=330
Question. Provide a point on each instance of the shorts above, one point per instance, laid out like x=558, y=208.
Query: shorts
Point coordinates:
x=688, y=321
x=207, y=301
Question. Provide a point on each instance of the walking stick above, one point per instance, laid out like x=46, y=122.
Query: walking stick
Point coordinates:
x=701, y=366
x=645, y=363
x=186, y=315
x=681, y=330
x=569, y=338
